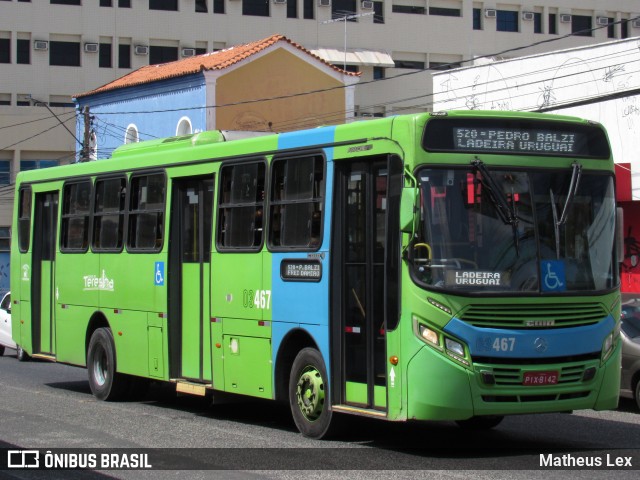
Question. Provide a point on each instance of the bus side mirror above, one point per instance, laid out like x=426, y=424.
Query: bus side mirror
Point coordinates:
x=408, y=219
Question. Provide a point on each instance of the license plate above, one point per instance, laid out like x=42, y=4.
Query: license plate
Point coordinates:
x=540, y=378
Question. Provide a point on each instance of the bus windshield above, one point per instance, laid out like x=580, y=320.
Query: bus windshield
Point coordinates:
x=512, y=231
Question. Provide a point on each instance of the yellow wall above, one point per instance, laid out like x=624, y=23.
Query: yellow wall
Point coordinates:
x=276, y=74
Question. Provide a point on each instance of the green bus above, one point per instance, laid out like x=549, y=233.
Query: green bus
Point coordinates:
x=440, y=266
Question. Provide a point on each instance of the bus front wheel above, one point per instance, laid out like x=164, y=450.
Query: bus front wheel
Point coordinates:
x=309, y=394
x=21, y=355
x=105, y=382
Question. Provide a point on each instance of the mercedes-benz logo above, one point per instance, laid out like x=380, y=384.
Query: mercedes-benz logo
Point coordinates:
x=540, y=344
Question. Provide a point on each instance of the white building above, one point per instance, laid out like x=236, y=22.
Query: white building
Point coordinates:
x=52, y=49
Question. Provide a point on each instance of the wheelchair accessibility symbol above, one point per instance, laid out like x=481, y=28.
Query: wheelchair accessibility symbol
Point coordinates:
x=553, y=276
x=159, y=275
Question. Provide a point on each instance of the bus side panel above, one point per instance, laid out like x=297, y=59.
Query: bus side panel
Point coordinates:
x=237, y=279
x=77, y=278
x=130, y=333
x=71, y=330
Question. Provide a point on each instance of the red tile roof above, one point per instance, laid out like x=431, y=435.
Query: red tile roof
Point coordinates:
x=209, y=61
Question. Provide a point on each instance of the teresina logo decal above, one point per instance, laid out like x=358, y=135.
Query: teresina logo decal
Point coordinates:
x=93, y=282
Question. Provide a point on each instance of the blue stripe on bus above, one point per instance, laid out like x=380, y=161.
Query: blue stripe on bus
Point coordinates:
x=305, y=305
x=545, y=343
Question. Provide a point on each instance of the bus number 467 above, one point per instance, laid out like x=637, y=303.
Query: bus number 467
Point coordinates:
x=504, y=344
x=260, y=299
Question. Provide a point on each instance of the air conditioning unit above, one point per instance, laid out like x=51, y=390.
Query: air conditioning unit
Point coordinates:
x=141, y=50
x=367, y=5
x=188, y=52
x=602, y=21
x=324, y=3
x=280, y=1
x=636, y=23
x=490, y=13
x=40, y=45
x=91, y=47
x=565, y=18
x=528, y=16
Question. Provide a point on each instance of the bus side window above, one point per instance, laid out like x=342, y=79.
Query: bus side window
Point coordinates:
x=296, y=206
x=146, y=212
x=76, y=203
x=241, y=206
x=108, y=215
x=24, y=219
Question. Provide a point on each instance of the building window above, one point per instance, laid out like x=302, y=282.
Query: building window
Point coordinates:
x=553, y=23
x=624, y=29
x=131, y=136
x=537, y=22
x=241, y=207
x=23, y=52
x=201, y=6
x=105, y=56
x=76, y=208
x=37, y=164
x=162, y=55
x=218, y=6
x=24, y=219
x=443, y=65
x=108, y=214
x=124, y=3
x=124, y=56
x=5, y=172
x=507, y=21
x=5, y=50
x=296, y=201
x=292, y=8
x=378, y=73
x=408, y=9
x=581, y=25
x=201, y=51
x=477, y=19
x=168, y=5
x=409, y=64
x=184, y=127
x=146, y=213
x=378, y=12
x=611, y=28
x=341, y=8
x=65, y=2
x=66, y=54
x=308, y=7
x=106, y=3
x=5, y=246
x=259, y=8
x=445, y=12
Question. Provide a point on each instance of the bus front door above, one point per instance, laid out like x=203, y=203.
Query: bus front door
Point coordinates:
x=43, y=274
x=189, y=277
x=359, y=282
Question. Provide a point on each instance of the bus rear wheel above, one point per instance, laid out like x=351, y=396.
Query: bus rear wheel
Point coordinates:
x=309, y=394
x=105, y=382
x=480, y=423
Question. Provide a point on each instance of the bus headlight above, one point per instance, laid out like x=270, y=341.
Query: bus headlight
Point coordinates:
x=610, y=341
x=454, y=347
x=429, y=335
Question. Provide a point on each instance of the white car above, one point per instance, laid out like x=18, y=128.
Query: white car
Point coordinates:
x=5, y=324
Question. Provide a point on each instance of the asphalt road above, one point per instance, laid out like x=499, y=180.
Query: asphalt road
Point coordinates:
x=49, y=406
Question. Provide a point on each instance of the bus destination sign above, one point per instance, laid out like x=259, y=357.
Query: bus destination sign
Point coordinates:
x=301, y=270
x=516, y=140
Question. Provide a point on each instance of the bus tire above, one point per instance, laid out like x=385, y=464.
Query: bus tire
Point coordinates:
x=1, y=350
x=105, y=382
x=309, y=394
x=480, y=423
x=21, y=355
x=638, y=394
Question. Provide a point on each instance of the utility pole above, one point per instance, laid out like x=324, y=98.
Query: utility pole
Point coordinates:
x=86, y=139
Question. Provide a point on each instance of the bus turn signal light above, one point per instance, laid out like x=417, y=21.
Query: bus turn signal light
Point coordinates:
x=393, y=360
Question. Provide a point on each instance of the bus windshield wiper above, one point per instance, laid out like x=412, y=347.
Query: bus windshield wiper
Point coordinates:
x=573, y=188
x=499, y=200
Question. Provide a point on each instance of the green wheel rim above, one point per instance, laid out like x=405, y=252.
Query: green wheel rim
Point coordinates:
x=310, y=393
